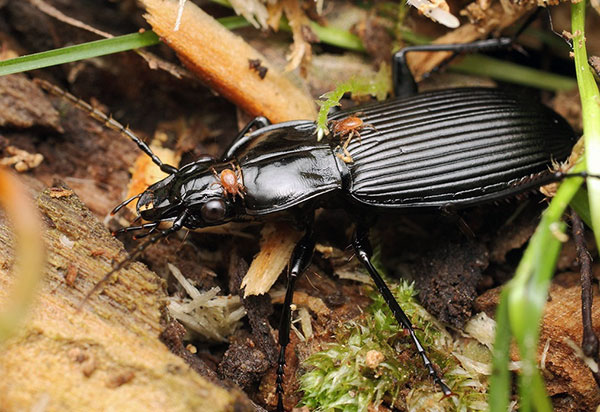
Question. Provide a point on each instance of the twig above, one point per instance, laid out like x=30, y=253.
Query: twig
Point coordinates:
x=589, y=342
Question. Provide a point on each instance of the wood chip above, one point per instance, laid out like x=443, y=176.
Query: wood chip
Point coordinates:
x=277, y=244
x=220, y=58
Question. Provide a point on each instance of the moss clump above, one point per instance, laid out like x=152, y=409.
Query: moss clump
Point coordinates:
x=345, y=377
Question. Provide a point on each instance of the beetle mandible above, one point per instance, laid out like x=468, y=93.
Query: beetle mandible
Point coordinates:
x=441, y=149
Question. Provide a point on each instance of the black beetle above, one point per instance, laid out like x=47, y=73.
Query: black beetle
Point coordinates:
x=430, y=151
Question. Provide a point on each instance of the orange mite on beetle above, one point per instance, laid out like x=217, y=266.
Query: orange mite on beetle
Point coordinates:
x=231, y=181
x=348, y=127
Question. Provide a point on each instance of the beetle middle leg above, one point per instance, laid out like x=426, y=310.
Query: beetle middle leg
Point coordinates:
x=243, y=138
x=363, y=252
x=402, y=78
x=301, y=258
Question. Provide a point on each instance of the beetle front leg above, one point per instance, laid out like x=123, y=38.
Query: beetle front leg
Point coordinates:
x=301, y=258
x=362, y=247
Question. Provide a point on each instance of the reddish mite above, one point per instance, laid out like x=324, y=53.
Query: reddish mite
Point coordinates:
x=348, y=128
x=231, y=181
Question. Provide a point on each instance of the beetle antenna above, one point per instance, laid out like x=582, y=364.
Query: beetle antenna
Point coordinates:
x=108, y=121
x=136, y=253
x=124, y=203
x=177, y=225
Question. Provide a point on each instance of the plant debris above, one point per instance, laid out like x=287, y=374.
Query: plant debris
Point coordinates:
x=211, y=316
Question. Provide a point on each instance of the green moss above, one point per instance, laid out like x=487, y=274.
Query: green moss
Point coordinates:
x=340, y=378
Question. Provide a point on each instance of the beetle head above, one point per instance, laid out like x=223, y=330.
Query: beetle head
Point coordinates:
x=156, y=203
x=194, y=189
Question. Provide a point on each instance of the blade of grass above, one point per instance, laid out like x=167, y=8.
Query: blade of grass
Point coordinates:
x=514, y=73
x=582, y=206
x=78, y=52
x=590, y=107
x=499, y=394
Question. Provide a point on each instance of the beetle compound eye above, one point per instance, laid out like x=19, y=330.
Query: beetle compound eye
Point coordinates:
x=213, y=210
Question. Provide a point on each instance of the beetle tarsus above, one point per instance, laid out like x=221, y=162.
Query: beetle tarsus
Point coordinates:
x=177, y=225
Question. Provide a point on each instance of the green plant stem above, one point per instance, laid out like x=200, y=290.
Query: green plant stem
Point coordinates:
x=233, y=22
x=510, y=72
x=590, y=108
x=78, y=52
x=582, y=206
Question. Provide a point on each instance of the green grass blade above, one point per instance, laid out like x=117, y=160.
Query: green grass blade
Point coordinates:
x=233, y=22
x=78, y=52
x=479, y=64
x=581, y=205
x=500, y=384
x=590, y=106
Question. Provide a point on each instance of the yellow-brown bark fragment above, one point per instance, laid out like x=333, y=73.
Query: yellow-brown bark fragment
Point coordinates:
x=220, y=58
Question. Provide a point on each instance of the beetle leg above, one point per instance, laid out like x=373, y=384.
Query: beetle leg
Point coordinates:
x=301, y=258
x=242, y=138
x=362, y=247
x=402, y=78
x=134, y=228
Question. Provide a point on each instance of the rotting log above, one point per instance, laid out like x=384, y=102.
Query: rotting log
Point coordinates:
x=108, y=354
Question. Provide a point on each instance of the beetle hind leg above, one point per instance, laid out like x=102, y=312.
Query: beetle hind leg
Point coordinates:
x=402, y=78
x=363, y=252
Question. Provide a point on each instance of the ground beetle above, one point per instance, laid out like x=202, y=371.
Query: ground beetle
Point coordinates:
x=437, y=150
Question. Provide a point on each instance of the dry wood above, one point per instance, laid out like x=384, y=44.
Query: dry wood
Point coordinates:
x=276, y=247
x=108, y=354
x=222, y=60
